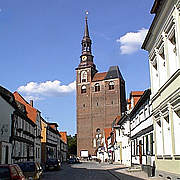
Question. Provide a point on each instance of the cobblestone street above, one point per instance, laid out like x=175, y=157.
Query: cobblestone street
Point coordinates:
x=93, y=171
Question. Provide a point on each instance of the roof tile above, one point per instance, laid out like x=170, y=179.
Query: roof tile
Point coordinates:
x=63, y=136
x=99, y=76
x=31, y=111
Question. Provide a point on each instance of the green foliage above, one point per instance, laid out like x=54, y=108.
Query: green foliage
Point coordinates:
x=72, y=145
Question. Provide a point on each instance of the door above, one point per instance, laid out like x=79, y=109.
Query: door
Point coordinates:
x=6, y=155
x=140, y=152
x=28, y=158
x=120, y=152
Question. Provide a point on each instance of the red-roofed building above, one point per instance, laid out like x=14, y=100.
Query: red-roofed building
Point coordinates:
x=35, y=116
x=17, y=130
x=63, y=136
x=134, y=98
x=102, y=149
x=107, y=132
x=64, y=147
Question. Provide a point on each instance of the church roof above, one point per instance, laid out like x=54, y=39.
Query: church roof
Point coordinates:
x=99, y=76
x=113, y=73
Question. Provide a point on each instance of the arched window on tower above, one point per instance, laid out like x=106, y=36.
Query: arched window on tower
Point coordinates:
x=97, y=87
x=111, y=85
x=83, y=76
x=83, y=89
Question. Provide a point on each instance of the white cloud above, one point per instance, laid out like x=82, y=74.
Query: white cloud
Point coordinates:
x=132, y=41
x=38, y=91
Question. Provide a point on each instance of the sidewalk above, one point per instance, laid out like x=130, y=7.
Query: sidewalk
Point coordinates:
x=121, y=172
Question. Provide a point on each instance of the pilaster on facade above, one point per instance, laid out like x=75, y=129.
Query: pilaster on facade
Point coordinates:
x=176, y=20
x=166, y=54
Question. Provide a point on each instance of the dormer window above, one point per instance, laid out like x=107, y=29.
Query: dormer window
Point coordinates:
x=111, y=85
x=97, y=87
x=83, y=89
x=83, y=76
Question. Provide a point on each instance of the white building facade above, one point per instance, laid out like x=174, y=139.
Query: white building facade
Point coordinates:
x=6, y=112
x=142, y=134
x=163, y=44
x=123, y=141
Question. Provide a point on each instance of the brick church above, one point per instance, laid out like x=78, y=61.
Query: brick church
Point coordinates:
x=100, y=98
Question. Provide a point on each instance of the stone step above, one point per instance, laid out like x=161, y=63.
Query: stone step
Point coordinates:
x=135, y=168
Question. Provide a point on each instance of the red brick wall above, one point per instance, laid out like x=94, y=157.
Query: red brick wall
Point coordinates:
x=101, y=108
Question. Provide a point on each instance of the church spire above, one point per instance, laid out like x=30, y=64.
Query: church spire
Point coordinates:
x=86, y=58
x=86, y=32
x=86, y=41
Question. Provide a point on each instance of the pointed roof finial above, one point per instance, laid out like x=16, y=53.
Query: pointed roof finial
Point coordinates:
x=86, y=32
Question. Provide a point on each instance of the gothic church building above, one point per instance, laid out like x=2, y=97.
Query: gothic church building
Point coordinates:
x=100, y=98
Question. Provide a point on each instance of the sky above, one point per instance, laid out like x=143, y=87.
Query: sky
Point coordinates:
x=40, y=47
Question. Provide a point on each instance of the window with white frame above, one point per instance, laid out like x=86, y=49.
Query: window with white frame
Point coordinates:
x=111, y=85
x=167, y=135
x=159, y=145
x=162, y=66
x=83, y=89
x=97, y=87
x=83, y=76
x=155, y=75
x=172, y=53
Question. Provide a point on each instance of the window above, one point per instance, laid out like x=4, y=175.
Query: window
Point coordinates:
x=111, y=85
x=151, y=143
x=83, y=89
x=97, y=130
x=97, y=87
x=147, y=145
x=83, y=76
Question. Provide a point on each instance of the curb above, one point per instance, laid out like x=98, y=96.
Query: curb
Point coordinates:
x=116, y=176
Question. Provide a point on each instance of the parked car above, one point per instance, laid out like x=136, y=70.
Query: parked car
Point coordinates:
x=31, y=170
x=72, y=160
x=11, y=172
x=53, y=164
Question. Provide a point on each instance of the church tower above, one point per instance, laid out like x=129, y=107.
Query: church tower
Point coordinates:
x=100, y=97
x=84, y=75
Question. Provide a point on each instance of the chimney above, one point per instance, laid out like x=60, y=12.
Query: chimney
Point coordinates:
x=31, y=103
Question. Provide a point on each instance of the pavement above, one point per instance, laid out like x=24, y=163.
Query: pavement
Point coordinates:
x=96, y=171
x=121, y=172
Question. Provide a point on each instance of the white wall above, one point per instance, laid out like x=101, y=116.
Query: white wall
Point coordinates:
x=6, y=110
x=176, y=118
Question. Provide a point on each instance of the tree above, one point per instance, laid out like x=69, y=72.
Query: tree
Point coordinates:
x=72, y=145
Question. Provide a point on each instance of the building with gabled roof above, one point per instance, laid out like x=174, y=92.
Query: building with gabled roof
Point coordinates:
x=35, y=116
x=64, y=136
x=50, y=142
x=100, y=98
x=17, y=130
x=64, y=146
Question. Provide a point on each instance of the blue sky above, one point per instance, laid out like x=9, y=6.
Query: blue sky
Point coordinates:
x=40, y=46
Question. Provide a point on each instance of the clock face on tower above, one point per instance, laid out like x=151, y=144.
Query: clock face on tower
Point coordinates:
x=84, y=58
